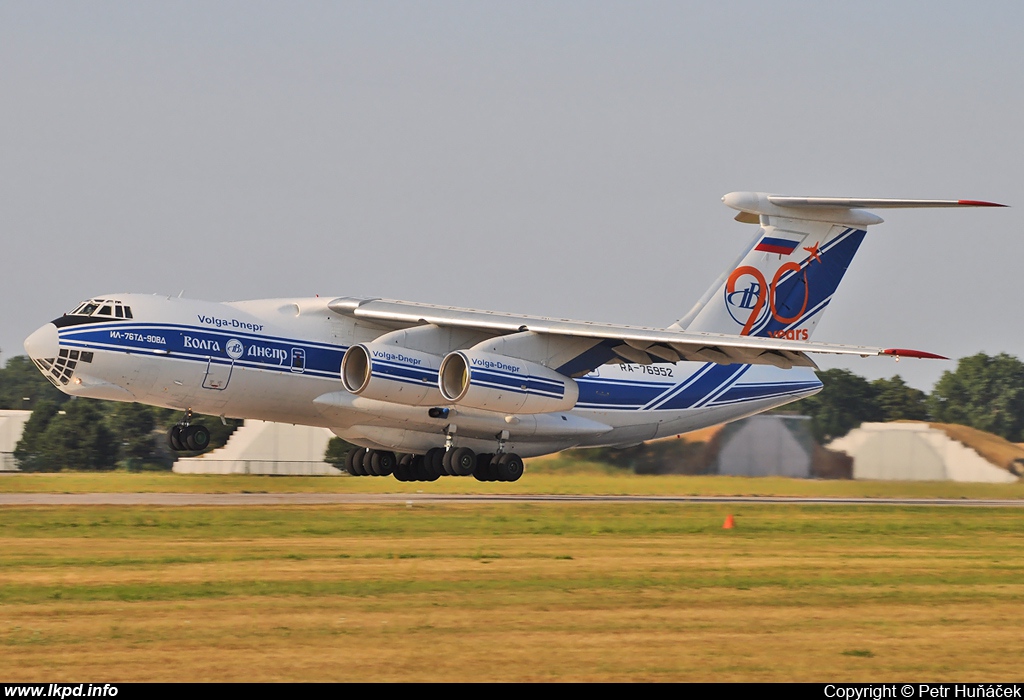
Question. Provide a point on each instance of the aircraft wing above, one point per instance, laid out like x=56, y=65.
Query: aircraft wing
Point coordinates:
x=610, y=342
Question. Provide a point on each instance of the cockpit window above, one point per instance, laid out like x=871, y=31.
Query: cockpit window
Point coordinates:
x=102, y=307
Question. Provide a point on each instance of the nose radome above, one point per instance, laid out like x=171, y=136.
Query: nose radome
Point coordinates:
x=44, y=343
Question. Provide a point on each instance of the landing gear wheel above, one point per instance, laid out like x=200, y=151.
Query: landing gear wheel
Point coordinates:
x=492, y=468
x=174, y=438
x=510, y=467
x=446, y=462
x=418, y=468
x=354, y=462
x=368, y=463
x=414, y=471
x=195, y=437
x=432, y=473
x=482, y=467
x=462, y=461
x=202, y=437
x=402, y=471
x=433, y=462
x=383, y=462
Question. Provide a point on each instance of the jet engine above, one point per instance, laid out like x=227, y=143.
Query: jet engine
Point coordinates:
x=388, y=373
x=504, y=384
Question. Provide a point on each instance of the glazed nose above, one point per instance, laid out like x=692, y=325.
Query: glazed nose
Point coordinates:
x=43, y=344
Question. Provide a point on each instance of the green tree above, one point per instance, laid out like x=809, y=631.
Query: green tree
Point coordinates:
x=28, y=451
x=74, y=437
x=984, y=392
x=898, y=401
x=845, y=401
x=337, y=451
x=20, y=380
x=131, y=425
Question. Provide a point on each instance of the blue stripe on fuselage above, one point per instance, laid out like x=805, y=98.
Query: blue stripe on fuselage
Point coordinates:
x=618, y=394
x=751, y=392
x=189, y=342
x=709, y=384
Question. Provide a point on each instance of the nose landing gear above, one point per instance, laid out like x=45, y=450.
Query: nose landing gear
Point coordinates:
x=188, y=437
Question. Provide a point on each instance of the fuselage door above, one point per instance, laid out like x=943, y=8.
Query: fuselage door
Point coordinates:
x=218, y=374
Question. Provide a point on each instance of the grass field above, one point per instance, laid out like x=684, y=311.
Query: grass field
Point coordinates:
x=595, y=592
x=548, y=476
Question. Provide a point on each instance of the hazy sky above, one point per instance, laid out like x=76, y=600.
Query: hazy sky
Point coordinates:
x=558, y=158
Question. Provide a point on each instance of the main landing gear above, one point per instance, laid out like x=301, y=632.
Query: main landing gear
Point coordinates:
x=438, y=462
x=364, y=462
x=188, y=437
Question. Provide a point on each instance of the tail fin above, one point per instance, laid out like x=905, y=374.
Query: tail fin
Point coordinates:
x=781, y=284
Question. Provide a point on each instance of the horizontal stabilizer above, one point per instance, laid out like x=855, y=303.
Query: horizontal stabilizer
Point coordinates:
x=781, y=284
x=854, y=203
x=848, y=211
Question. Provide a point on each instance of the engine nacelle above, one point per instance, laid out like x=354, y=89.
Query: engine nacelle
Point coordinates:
x=505, y=384
x=390, y=373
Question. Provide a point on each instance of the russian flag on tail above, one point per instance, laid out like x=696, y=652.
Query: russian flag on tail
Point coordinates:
x=780, y=246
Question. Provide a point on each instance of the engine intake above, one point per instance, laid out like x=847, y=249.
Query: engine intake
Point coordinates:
x=390, y=373
x=505, y=384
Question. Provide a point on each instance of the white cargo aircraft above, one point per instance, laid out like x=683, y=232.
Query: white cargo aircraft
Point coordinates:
x=429, y=390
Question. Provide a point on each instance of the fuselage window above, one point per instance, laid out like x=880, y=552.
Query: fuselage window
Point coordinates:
x=119, y=312
x=127, y=312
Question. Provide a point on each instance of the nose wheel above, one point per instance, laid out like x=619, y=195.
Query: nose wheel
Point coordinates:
x=188, y=437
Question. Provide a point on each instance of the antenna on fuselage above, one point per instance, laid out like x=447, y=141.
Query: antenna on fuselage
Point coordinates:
x=180, y=293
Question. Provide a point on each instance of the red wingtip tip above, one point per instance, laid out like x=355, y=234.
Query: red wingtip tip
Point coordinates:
x=978, y=203
x=903, y=352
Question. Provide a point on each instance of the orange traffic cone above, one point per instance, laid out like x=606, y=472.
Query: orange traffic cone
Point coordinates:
x=729, y=523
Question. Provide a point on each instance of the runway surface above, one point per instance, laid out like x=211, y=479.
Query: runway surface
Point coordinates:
x=277, y=499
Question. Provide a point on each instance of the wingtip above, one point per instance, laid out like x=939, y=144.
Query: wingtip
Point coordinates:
x=921, y=354
x=979, y=203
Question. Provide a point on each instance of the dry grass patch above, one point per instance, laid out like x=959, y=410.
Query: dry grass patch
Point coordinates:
x=560, y=474
x=995, y=449
x=619, y=592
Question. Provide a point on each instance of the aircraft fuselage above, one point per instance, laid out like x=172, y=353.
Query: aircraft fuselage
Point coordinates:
x=280, y=360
